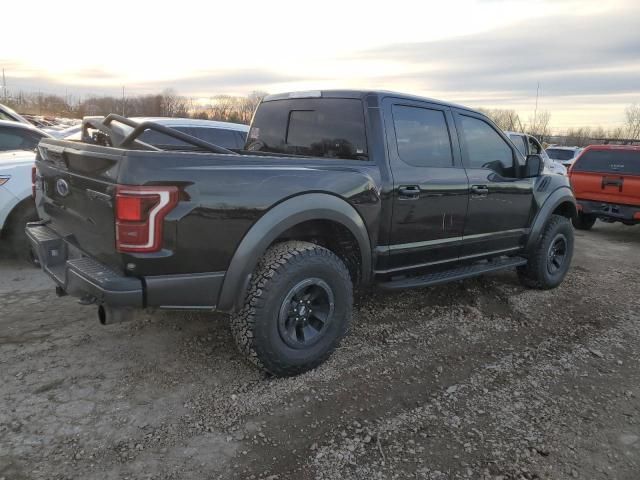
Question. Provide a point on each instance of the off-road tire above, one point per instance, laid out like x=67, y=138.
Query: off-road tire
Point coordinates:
x=16, y=240
x=536, y=274
x=255, y=326
x=584, y=222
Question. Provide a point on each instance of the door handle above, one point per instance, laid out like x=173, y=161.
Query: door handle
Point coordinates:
x=480, y=190
x=409, y=192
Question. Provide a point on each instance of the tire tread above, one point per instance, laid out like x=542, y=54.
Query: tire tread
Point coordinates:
x=275, y=263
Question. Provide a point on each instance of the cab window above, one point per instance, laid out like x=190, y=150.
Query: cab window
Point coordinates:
x=486, y=148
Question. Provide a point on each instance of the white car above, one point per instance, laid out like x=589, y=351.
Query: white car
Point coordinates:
x=224, y=134
x=529, y=145
x=17, y=206
x=564, y=155
x=19, y=136
x=11, y=115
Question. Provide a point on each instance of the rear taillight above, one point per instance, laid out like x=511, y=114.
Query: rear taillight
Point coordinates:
x=34, y=177
x=140, y=213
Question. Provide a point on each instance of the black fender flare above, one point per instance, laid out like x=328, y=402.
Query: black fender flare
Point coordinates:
x=554, y=200
x=291, y=212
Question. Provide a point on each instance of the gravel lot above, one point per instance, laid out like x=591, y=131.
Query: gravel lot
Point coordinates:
x=478, y=379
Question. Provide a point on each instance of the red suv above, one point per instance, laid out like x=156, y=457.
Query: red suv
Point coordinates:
x=606, y=182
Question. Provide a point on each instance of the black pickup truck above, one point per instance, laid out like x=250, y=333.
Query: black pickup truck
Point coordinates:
x=333, y=190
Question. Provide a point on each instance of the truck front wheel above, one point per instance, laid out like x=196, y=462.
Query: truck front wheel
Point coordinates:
x=550, y=258
x=297, y=309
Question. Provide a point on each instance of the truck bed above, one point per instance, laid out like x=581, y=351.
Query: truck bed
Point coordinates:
x=221, y=197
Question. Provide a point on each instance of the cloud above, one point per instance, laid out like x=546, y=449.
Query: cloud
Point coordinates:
x=90, y=81
x=568, y=55
x=93, y=73
x=234, y=80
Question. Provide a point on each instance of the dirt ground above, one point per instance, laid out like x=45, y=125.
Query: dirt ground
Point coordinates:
x=477, y=379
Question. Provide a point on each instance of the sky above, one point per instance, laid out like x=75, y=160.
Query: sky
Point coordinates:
x=584, y=55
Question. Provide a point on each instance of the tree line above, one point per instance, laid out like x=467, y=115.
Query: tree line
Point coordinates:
x=539, y=125
x=239, y=109
x=227, y=108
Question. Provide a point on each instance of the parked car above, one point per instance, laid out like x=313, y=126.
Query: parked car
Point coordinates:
x=10, y=115
x=334, y=190
x=606, y=183
x=16, y=202
x=70, y=132
x=19, y=136
x=529, y=145
x=563, y=155
x=224, y=134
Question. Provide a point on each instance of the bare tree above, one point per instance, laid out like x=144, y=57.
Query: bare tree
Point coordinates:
x=503, y=118
x=540, y=125
x=578, y=137
x=632, y=121
x=172, y=105
x=167, y=103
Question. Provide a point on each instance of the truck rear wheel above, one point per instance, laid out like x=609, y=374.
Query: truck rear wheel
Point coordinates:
x=297, y=309
x=550, y=258
x=584, y=222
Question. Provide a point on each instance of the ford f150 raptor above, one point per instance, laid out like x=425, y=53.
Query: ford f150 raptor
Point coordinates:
x=333, y=190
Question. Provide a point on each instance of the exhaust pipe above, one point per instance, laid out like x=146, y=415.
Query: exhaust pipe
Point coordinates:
x=108, y=315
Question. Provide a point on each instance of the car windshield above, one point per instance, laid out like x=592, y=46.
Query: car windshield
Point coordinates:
x=318, y=127
x=560, y=153
x=609, y=161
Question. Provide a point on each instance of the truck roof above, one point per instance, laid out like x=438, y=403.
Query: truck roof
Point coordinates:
x=631, y=148
x=24, y=126
x=361, y=94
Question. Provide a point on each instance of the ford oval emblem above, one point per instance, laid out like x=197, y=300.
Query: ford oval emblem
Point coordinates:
x=62, y=187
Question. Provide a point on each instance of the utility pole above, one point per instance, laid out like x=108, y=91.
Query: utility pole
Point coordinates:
x=4, y=87
x=123, y=100
x=535, y=111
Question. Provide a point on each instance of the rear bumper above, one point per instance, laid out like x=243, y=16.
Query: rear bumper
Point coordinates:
x=613, y=211
x=79, y=275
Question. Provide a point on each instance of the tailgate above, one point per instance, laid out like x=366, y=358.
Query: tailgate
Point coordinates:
x=611, y=176
x=78, y=186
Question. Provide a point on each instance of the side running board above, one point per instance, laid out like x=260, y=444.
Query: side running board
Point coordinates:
x=457, y=273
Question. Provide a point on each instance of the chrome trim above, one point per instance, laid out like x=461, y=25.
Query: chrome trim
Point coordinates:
x=440, y=241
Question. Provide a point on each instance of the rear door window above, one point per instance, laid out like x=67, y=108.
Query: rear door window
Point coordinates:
x=422, y=136
x=621, y=162
x=319, y=127
x=159, y=139
x=560, y=154
x=218, y=136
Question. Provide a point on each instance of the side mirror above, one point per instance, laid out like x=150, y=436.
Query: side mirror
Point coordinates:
x=533, y=166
